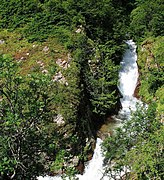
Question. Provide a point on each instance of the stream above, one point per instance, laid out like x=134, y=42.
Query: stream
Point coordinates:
x=128, y=77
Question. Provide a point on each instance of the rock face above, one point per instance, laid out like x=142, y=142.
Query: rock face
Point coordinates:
x=136, y=92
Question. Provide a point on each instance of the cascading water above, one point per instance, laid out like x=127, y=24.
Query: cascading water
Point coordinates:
x=94, y=170
x=128, y=77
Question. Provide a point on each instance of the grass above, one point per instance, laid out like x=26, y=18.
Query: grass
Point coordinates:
x=30, y=53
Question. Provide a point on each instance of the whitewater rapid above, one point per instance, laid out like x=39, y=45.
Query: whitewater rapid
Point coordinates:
x=128, y=77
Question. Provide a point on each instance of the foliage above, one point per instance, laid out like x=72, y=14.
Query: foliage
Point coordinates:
x=17, y=13
x=29, y=103
x=160, y=100
x=151, y=68
x=26, y=106
x=98, y=72
x=147, y=156
x=39, y=20
x=103, y=87
x=137, y=147
x=93, y=31
x=30, y=54
x=61, y=19
x=65, y=100
x=147, y=18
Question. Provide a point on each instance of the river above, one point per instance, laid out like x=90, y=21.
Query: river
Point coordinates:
x=128, y=77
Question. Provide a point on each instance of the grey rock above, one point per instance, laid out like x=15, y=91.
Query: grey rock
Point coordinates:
x=75, y=160
x=59, y=120
x=46, y=49
x=2, y=41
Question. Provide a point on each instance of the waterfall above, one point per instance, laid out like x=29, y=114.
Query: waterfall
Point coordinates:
x=128, y=76
x=94, y=170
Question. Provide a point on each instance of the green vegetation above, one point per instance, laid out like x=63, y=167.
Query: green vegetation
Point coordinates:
x=31, y=140
x=62, y=20
x=59, y=62
x=147, y=18
x=151, y=65
x=26, y=103
x=138, y=145
x=150, y=51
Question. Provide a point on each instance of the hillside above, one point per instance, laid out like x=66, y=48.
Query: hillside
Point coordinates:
x=59, y=63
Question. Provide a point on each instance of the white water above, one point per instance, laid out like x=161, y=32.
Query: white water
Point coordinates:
x=94, y=170
x=128, y=76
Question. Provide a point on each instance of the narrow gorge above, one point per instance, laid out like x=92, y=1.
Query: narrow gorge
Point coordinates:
x=128, y=77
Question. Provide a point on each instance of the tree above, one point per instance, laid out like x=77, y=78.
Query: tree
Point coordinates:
x=26, y=112
x=147, y=18
x=17, y=13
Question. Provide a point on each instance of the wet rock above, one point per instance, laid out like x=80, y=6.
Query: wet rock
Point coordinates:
x=103, y=135
x=136, y=91
x=89, y=156
x=80, y=167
